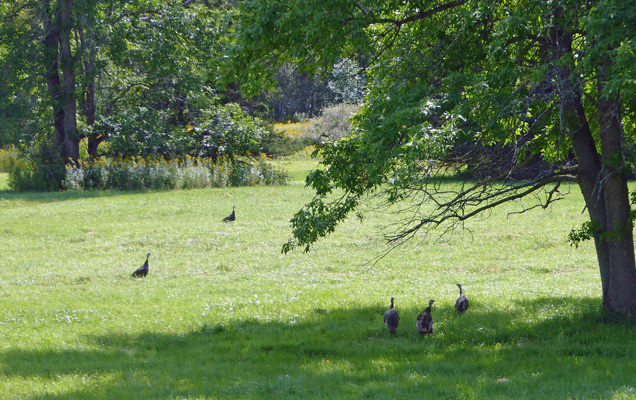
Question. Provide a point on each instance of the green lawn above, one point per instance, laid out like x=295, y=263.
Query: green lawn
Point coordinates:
x=222, y=314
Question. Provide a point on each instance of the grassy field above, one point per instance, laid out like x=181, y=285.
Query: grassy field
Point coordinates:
x=223, y=315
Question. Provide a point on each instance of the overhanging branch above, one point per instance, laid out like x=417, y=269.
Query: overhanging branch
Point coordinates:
x=473, y=201
x=421, y=14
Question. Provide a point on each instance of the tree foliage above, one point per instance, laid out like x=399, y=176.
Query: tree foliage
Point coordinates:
x=130, y=73
x=549, y=80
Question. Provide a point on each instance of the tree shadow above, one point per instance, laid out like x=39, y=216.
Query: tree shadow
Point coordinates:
x=51, y=197
x=348, y=353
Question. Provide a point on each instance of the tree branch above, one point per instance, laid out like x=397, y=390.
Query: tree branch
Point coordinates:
x=475, y=200
x=421, y=14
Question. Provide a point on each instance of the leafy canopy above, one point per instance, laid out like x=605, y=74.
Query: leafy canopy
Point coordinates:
x=443, y=73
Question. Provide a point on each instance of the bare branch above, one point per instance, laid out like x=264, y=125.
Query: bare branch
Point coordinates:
x=472, y=201
x=549, y=200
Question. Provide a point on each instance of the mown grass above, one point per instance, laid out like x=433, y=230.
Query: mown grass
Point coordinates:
x=222, y=314
x=298, y=164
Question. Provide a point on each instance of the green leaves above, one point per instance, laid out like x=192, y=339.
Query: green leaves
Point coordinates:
x=504, y=74
x=270, y=33
x=318, y=219
x=141, y=70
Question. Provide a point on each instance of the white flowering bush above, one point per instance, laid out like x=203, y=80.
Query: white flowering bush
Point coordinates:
x=333, y=124
x=189, y=173
x=193, y=177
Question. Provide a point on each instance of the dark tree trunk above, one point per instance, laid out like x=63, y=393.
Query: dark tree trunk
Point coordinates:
x=603, y=185
x=70, y=143
x=52, y=75
x=57, y=54
x=89, y=111
x=589, y=170
x=621, y=295
x=89, y=105
x=89, y=108
x=589, y=161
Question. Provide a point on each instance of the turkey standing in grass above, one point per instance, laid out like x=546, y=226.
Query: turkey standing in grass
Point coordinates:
x=425, y=320
x=230, y=217
x=143, y=270
x=391, y=318
x=461, y=304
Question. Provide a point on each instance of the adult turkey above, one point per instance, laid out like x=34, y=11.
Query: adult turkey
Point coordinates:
x=143, y=270
x=425, y=320
x=461, y=305
x=391, y=318
x=232, y=216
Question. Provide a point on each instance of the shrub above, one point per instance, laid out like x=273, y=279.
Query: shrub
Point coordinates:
x=8, y=156
x=189, y=173
x=270, y=175
x=278, y=143
x=291, y=129
x=42, y=170
x=225, y=131
x=333, y=124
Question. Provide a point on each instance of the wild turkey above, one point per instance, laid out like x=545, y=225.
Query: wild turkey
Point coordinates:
x=425, y=320
x=391, y=318
x=461, y=304
x=143, y=270
x=230, y=217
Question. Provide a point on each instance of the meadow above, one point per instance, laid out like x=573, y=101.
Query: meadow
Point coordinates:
x=224, y=315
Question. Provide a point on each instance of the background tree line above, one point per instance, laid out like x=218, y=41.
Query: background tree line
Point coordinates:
x=138, y=78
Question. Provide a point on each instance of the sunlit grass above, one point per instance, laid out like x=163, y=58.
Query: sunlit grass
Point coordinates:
x=223, y=314
x=298, y=164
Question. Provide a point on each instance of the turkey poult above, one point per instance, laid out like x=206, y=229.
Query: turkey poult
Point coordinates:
x=143, y=270
x=425, y=320
x=232, y=216
x=461, y=304
x=391, y=318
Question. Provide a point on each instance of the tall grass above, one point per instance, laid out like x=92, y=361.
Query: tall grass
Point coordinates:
x=223, y=315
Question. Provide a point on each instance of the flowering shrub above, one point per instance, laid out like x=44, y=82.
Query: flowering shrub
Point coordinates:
x=333, y=124
x=188, y=173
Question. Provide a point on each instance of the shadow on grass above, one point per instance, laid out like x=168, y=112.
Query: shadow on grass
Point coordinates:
x=49, y=197
x=348, y=353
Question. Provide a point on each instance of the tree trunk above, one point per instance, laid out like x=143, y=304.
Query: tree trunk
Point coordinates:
x=52, y=75
x=589, y=170
x=70, y=143
x=602, y=184
x=57, y=53
x=89, y=107
x=621, y=295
